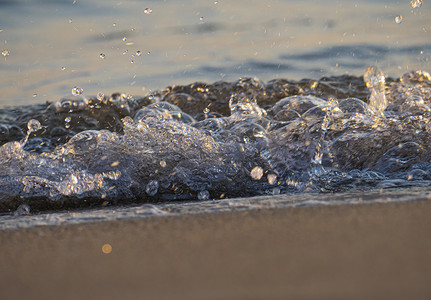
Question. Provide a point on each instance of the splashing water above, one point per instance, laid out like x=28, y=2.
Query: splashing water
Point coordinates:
x=227, y=139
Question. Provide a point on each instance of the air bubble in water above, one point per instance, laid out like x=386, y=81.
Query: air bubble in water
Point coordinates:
x=152, y=187
x=398, y=19
x=76, y=91
x=138, y=53
x=102, y=55
x=416, y=3
x=22, y=210
x=148, y=11
x=5, y=53
x=100, y=96
x=33, y=126
x=204, y=195
x=256, y=173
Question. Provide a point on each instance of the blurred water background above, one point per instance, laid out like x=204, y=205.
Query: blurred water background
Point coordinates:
x=50, y=46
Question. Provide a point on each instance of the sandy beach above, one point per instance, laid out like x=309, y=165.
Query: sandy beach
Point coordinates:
x=370, y=251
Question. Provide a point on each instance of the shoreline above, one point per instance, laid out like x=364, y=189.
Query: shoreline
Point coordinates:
x=364, y=251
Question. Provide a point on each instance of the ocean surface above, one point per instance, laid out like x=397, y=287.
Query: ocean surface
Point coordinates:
x=136, y=108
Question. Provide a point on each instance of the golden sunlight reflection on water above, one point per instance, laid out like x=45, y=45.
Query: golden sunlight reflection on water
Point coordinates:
x=54, y=46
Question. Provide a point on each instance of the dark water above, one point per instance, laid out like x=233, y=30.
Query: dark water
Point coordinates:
x=220, y=140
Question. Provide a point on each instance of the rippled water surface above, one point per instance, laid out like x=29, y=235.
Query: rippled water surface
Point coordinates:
x=127, y=102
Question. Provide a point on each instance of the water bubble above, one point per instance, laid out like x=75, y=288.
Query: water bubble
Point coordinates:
x=5, y=53
x=256, y=173
x=204, y=195
x=416, y=3
x=102, y=55
x=138, y=53
x=22, y=210
x=152, y=187
x=398, y=19
x=148, y=11
x=76, y=91
x=33, y=126
x=100, y=96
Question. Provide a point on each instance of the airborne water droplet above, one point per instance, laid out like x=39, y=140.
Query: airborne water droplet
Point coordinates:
x=398, y=19
x=138, y=53
x=76, y=91
x=33, y=126
x=163, y=164
x=102, y=55
x=63, y=68
x=100, y=96
x=5, y=53
x=416, y=3
x=124, y=39
x=256, y=173
x=148, y=11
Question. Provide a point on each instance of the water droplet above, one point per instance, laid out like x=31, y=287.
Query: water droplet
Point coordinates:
x=5, y=53
x=132, y=62
x=70, y=20
x=100, y=96
x=271, y=178
x=63, y=68
x=33, y=126
x=204, y=195
x=34, y=95
x=256, y=173
x=398, y=19
x=163, y=164
x=115, y=164
x=138, y=53
x=416, y=3
x=152, y=187
x=67, y=119
x=206, y=110
x=215, y=2
x=102, y=55
x=114, y=24
x=22, y=210
x=76, y=91
x=124, y=39
x=148, y=11
x=201, y=18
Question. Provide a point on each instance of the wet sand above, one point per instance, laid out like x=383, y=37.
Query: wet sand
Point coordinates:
x=370, y=251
